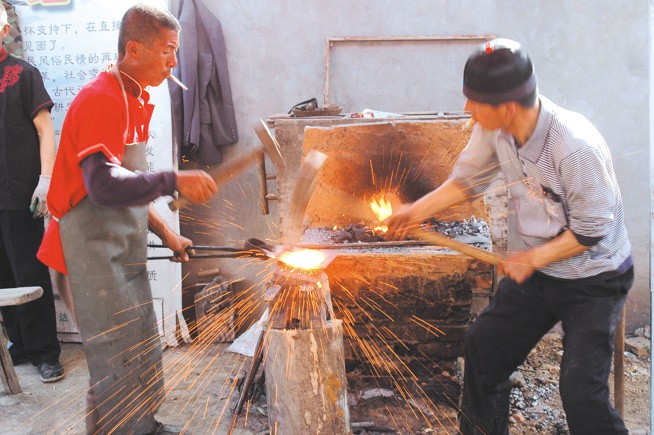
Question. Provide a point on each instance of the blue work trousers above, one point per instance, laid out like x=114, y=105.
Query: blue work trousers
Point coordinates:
x=515, y=320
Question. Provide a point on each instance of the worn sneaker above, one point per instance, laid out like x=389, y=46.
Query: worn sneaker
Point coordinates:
x=51, y=371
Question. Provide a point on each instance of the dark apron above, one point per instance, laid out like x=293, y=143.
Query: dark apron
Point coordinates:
x=105, y=253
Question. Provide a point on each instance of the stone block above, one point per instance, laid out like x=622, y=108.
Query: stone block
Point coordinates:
x=639, y=346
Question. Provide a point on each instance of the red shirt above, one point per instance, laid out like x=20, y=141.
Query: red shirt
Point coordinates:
x=95, y=122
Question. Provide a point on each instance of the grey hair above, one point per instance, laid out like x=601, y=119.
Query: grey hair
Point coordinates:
x=143, y=23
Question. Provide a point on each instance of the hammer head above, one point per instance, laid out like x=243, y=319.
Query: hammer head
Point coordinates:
x=270, y=144
x=305, y=183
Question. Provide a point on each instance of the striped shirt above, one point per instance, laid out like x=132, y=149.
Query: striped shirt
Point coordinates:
x=561, y=178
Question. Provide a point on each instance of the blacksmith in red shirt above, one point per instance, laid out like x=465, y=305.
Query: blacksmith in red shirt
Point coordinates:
x=100, y=201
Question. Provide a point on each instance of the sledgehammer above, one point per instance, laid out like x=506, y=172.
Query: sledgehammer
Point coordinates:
x=225, y=172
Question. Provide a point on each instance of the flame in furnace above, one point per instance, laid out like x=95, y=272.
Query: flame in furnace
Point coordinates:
x=303, y=258
x=382, y=208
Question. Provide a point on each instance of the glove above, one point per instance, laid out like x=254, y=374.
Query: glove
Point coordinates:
x=39, y=205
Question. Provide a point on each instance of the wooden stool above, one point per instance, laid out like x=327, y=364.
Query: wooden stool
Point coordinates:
x=10, y=297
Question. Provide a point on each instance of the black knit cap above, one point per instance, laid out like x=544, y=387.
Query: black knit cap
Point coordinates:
x=499, y=71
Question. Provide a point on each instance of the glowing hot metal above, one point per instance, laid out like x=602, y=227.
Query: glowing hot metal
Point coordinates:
x=303, y=259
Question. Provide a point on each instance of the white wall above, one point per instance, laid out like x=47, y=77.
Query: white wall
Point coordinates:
x=590, y=55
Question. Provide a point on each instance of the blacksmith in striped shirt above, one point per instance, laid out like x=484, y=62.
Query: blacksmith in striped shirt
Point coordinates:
x=577, y=267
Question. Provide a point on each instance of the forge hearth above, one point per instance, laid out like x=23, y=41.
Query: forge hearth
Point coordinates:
x=405, y=309
x=472, y=231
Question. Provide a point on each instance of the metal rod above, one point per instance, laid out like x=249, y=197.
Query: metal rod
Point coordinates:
x=329, y=42
x=217, y=248
x=263, y=185
x=390, y=244
x=411, y=38
x=241, y=254
x=206, y=248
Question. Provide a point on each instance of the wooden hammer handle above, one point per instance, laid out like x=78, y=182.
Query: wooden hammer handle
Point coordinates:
x=223, y=173
x=469, y=250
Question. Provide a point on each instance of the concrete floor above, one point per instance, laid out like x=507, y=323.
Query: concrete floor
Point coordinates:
x=199, y=397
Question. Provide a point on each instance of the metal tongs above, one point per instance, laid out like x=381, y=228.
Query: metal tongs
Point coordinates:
x=228, y=252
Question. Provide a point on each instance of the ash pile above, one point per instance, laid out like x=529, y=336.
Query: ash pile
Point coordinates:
x=353, y=233
x=472, y=231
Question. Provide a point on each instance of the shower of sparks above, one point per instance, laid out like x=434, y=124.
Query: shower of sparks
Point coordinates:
x=205, y=367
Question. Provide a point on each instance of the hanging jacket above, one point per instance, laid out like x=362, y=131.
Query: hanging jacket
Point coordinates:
x=203, y=117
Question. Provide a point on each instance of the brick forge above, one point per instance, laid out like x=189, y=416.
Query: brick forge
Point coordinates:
x=405, y=315
x=405, y=310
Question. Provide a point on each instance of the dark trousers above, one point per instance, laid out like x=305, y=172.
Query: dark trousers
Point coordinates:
x=31, y=327
x=515, y=320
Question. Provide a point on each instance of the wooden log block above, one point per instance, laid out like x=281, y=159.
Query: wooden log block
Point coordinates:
x=302, y=299
x=305, y=381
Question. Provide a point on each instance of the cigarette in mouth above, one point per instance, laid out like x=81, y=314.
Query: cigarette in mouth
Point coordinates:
x=176, y=80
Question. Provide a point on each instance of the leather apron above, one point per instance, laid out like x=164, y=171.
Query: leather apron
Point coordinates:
x=105, y=253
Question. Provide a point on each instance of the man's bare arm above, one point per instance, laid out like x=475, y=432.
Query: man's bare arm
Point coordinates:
x=521, y=265
x=445, y=196
x=169, y=237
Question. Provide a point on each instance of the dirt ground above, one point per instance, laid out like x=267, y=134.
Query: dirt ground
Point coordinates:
x=198, y=400
x=536, y=404
x=201, y=395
